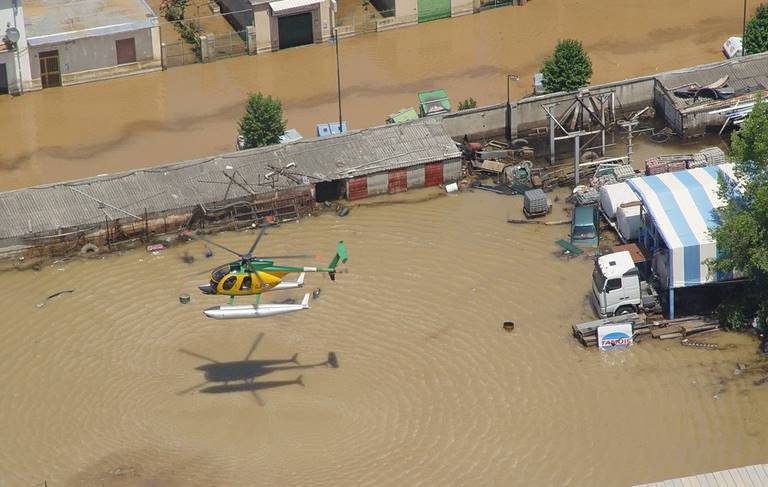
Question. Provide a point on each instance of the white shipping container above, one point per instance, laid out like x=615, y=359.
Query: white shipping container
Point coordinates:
x=628, y=222
x=614, y=195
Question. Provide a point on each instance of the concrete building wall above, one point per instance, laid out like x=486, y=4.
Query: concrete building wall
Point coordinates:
x=415, y=176
x=266, y=27
x=378, y=183
x=451, y=170
x=16, y=61
x=92, y=58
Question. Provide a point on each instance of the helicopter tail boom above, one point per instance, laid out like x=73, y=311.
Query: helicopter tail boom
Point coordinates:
x=341, y=256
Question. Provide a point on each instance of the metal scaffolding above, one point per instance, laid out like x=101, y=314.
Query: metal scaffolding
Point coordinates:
x=589, y=116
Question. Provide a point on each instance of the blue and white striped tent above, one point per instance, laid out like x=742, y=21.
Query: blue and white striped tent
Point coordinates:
x=682, y=208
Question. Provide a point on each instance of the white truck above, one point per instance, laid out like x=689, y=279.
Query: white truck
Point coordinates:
x=617, y=288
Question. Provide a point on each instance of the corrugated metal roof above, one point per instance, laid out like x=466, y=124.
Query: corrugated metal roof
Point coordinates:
x=745, y=75
x=752, y=476
x=49, y=208
x=51, y=21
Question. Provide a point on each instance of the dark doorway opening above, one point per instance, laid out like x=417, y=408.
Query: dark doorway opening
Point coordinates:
x=3, y=80
x=295, y=30
x=329, y=190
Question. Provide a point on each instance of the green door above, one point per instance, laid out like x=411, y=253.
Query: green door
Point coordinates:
x=434, y=9
x=295, y=30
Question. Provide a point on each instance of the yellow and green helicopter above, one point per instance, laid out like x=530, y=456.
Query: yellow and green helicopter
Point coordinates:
x=252, y=275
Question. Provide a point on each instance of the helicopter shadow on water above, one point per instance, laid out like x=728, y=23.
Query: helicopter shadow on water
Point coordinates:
x=241, y=375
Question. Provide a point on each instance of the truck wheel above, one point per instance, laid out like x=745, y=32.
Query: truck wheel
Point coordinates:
x=624, y=310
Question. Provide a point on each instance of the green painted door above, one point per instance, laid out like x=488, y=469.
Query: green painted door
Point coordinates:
x=295, y=30
x=434, y=9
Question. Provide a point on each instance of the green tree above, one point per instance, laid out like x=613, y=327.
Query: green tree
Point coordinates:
x=756, y=35
x=467, y=104
x=569, y=68
x=262, y=124
x=742, y=236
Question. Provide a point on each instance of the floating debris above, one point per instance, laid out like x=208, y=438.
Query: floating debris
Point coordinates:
x=184, y=298
x=45, y=301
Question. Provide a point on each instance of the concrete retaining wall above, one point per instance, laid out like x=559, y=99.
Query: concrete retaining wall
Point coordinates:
x=528, y=113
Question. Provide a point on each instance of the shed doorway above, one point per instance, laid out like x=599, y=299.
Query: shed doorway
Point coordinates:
x=329, y=190
x=126, y=51
x=295, y=30
x=50, y=73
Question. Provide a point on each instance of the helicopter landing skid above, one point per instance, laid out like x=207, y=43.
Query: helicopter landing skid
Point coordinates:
x=229, y=312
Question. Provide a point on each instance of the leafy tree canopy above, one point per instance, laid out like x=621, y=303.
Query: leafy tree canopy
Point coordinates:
x=568, y=69
x=262, y=124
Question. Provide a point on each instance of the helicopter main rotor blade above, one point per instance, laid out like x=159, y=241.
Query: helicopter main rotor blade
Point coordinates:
x=219, y=245
x=190, y=389
x=256, y=242
x=253, y=347
x=304, y=256
x=197, y=355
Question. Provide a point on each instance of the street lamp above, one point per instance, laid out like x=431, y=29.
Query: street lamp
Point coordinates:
x=508, y=113
x=338, y=71
x=743, y=28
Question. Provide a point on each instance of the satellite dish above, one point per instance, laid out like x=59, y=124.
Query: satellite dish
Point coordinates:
x=12, y=34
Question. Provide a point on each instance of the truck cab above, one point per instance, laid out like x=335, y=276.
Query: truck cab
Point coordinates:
x=616, y=286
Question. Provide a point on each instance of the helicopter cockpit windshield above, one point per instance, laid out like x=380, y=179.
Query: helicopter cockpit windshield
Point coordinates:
x=219, y=273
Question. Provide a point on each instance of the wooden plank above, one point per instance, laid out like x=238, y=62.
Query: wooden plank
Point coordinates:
x=666, y=330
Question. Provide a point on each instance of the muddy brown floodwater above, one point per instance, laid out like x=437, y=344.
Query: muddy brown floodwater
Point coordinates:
x=189, y=112
x=430, y=390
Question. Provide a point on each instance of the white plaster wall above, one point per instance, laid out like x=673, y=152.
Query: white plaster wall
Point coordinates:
x=96, y=52
x=17, y=62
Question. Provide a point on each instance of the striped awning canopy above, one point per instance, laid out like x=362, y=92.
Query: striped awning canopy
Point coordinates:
x=682, y=206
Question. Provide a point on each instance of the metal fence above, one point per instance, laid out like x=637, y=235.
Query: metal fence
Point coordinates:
x=364, y=23
x=230, y=44
x=178, y=54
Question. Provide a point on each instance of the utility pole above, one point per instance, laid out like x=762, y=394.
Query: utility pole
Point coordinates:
x=338, y=68
x=629, y=125
x=743, y=28
x=508, y=112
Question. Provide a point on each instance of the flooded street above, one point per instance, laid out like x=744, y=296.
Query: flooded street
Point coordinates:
x=430, y=390
x=192, y=111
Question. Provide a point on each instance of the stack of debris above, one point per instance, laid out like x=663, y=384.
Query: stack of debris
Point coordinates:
x=670, y=163
x=715, y=91
x=711, y=156
x=586, y=333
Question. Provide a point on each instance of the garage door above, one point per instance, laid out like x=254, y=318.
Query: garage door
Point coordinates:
x=295, y=30
x=398, y=180
x=434, y=9
x=358, y=188
x=433, y=174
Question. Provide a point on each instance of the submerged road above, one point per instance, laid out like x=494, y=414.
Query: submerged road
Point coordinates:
x=192, y=111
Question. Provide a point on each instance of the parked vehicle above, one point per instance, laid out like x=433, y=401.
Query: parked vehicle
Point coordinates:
x=617, y=287
x=584, y=226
